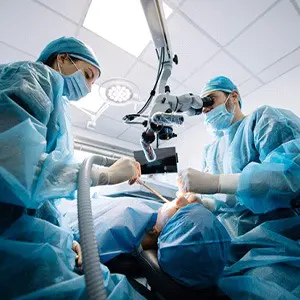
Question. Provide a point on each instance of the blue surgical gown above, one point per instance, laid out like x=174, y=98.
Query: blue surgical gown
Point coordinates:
x=264, y=148
x=120, y=223
x=36, y=168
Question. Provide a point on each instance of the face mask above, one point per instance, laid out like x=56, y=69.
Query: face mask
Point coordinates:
x=219, y=118
x=75, y=86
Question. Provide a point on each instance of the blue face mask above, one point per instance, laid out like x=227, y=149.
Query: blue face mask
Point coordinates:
x=219, y=118
x=75, y=86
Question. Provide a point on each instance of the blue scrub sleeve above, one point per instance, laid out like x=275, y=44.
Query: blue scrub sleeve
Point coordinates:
x=35, y=135
x=274, y=182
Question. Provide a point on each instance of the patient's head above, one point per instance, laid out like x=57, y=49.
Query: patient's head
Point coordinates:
x=165, y=213
x=193, y=247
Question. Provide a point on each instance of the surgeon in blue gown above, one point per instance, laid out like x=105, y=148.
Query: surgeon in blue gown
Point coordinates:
x=250, y=179
x=37, y=168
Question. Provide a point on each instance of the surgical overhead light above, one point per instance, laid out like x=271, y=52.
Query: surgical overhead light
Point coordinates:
x=115, y=92
x=119, y=92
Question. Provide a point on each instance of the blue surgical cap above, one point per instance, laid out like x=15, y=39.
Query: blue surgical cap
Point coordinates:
x=73, y=47
x=193, y=247
x=219, y=83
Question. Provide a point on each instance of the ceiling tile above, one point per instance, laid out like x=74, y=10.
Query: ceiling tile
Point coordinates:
x=132, y=134
x=278, y=93
x=175, y=2
x=9, y=54
x=78, y=117
x=224, y=19
x=269, y=38
x=249, y=86
x=34, y=26
x=189, y=146
x=149, y=55
x=281, y=66
x=72, y=9
x=104, y=125
x=114, y=61
x=193, y=120
x=191, y=47
x=178, y=129
x=118, y=112
x=180, y=90
x=109, y=126
x=144, y=77
x=221, y=64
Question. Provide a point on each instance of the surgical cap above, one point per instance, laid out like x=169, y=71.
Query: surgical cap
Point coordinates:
x=73, y=47
x=193, y=247
x=219, y=83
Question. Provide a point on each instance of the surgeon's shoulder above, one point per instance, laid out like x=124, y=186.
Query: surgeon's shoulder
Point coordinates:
x=267, y=115
x=30, y=69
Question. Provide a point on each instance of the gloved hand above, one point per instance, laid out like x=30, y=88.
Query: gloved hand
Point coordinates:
x=191, y=180
x=126, y=168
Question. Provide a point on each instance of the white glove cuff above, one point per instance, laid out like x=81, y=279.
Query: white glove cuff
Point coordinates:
x=99, y=176
x=228, y=183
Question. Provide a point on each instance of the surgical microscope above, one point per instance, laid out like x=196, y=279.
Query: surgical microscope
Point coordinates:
x=166, y=110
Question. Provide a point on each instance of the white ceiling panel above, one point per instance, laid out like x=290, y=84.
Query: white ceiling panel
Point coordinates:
x=174, y=2
x=249, y=86
x=114, y=61
x=224, y=19
x=132, y=134
x=269, y=38
x=110, y=127
x=9, y=54
x=118, y=112
x=78, y=117
x=32, y=25
x=281, y=66
x=180, y=90
x=191, y=46
x=193, y=120
x=221, y=64
x=72, y=9
x=144, y=77
x=281, y=93
x=181, y=128
x=149, y=55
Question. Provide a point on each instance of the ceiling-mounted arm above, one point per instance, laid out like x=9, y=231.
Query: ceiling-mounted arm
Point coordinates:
x=156, y=22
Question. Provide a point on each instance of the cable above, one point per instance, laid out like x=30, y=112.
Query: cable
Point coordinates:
x=131, y=117
x=152, y=93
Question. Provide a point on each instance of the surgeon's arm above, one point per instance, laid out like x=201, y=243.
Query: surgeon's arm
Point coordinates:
x=274, y=182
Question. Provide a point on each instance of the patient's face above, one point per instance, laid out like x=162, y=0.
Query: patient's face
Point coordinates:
x=168, y=210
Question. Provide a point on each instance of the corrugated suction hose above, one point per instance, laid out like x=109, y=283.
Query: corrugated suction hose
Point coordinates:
x=90, y=254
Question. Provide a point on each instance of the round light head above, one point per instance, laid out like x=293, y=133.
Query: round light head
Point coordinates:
x=118, y=91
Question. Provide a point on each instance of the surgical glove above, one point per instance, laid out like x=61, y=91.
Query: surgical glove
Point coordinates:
x=194, y=181
x=206, y=202
x=124, y=169
x=191, y=180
